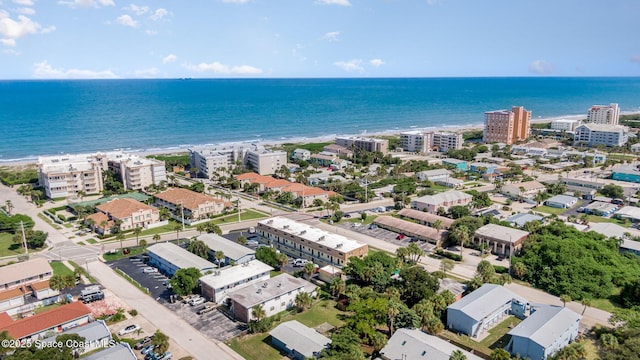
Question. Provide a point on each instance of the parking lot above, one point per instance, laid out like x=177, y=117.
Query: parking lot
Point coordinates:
x=214, y=324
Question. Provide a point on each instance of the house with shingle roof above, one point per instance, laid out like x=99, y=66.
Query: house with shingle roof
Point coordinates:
x=196, y=205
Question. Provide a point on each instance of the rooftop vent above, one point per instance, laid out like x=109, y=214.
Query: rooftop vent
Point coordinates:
x=259, y=291
x=265, y=285
x=285, y=227
x=321, y=238
x=303, y=232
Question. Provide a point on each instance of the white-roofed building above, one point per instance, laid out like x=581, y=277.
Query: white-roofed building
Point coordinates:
x=545, y=332
x=169, y=258
x=415, y=344
x=298, y=341
x=301, y=240
x=220, y=283
x=274, y=295
x=527, y=189
x=630, y=212
x=612, y=230
x=96, y=335
x=444, y=200
x=519, y=220
x=601, y=134
x=501, y=239
x=561, y=201
x=433, y=175
x=232, y=251
x=122, y=351
x=483, y=309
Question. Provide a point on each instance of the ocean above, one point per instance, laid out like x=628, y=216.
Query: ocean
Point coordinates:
x=74, y=116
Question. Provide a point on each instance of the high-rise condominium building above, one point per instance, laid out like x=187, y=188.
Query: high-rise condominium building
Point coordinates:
x=604, y=114
x=507, y=126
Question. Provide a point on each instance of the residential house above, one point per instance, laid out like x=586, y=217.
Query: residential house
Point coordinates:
x=234, y=253
x=519, y=220
x=443, y=200
x=195, y=205
x=129, y=213
x=545, y=332
x=300, y=240
x=433, y=175
x=458, y=165
x=169, y=258
x=220, y=283
x=298, y=341
x=46, y=324
x=561, y=201
x=527, y=189
x=502, y=240
x=273, y=295
x=629, y=212
x=483, y=309
x=301, y=154
x=409, y=344
x=601, y=208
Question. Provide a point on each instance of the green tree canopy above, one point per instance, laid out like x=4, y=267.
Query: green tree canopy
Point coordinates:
x=185, y=281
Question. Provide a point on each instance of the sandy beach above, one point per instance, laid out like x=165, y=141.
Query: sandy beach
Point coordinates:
x=324, y=138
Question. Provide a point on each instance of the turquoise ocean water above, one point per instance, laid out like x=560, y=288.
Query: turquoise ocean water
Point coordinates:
x=52, y=117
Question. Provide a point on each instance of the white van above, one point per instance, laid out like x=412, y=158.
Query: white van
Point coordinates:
x=300, y=262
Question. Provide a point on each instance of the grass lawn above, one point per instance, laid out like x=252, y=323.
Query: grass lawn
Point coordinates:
x=119, y=255
x=170, y=227
x=40, y=309
x=81, y=243
x=275, y=273
x=92, y=241
x=258, y=346
x=497, y=337
x=244, y=215
x=8, y=247
x=549, y=210
x=598, y=219
x=60, y=268
x=357, y=219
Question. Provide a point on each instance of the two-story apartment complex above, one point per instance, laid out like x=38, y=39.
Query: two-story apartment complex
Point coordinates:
x=195, y=205
x=129, y=213
x=220, y=283
x=445, y=200
x=301, y=240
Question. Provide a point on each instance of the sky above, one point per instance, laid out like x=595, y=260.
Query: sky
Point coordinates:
x=85, y=39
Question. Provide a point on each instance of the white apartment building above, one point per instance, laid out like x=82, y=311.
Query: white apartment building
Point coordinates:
x=67, y=175
x=363, y=143
x=416, y=141
x=263, y=161
x=601, y=134
x=446, y=140
x=604, y=114
x=220, y=283
x=211, y=160
x=565, y=125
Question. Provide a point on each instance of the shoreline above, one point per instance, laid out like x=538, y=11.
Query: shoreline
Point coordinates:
x=181, y=149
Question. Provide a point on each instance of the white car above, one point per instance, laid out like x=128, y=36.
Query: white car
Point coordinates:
x=300, y=262
x=129, y=329
x=149, y=270
x=196, y=301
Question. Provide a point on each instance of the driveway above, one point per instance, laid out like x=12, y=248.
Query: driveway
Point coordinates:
x=161, y=317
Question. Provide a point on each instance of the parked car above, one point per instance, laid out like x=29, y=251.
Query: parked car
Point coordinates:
x=151, y=356
x=207, y=308
x=252, y=243
x=142, y=343
x=196, y=301
x=149, y=270
x=129, y=329
x=165, y=356
x=147, y=349
x=300, y=262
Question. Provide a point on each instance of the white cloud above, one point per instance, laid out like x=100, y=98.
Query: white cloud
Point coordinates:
x=48, y=29
x=25, y=11
x=331, y=36
x=147, y=73
x=169, y=59
x=45, y=71
x=150, y=32
x=541, y=67
x=220, y=68
x=159, y=14
x=376, y=62
x=127, y=20
x=23, y=2
x=86, y=3
x=334, y=2
x=350, y=66
x=8, y=42
x=235, y=1
x=635, y=59
x=12, y=29
x=138, y=10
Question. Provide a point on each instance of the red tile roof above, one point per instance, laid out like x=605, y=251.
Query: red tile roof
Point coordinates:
x=5, y=320
x=247, y=176
x=40, y=285
x=10, y=294
x=189, y=199
x=124, y=208
x=59, y=316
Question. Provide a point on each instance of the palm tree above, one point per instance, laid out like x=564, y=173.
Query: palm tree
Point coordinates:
x=164, y=213
x=500, y=354
x=201, y=228
x=103, y=225
x=156, y=237
x=258, y=312
x=91, y=224
x=137, y=231
x=586, y=302
x=458, y=355
x=143, y=243
x=9, y=206
x=565, y=299
x=62, y=282
x=303, y=300
x=160, y=342
x=392, y=311
x=309, y=269
x=177, y=228
x=462, y=234
x=219, y=256
x=337, y=286
x=120, y=237
x=446, y=265
x=198, y=247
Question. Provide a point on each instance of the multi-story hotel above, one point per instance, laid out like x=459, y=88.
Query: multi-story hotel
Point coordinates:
x=601, y=134
x=208, y=161
x=506, y=126
x=604, y=114
x=365, y=144
x=300, y=240
x=67, y=175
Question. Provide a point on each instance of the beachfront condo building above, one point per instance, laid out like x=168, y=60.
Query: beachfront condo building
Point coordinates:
x=604, y=114
x=506, y=126
x=301, y=240
x=63, y=176
x=565, y=125
x=263, y=161
x=208, y=161
x=601, y=134
x=447, y=140
x=416, y=141
x=364, y=144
